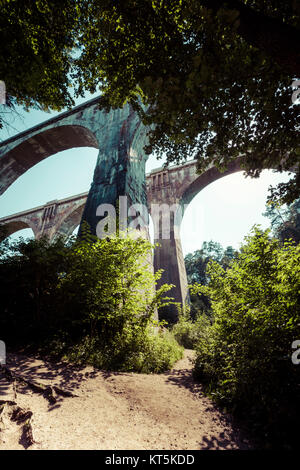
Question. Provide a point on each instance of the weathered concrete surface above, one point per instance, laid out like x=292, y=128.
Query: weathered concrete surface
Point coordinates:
x=165, y=186
x=75, y=128
x=119, y=136
x=120, y=167
x=177, y=186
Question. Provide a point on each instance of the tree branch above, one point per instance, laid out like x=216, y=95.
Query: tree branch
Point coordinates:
x=278, y=40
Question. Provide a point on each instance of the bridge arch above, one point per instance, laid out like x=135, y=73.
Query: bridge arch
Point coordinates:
x=139, y=140
x=40, y=146
x=14, y=226
x=70, y=221
x=201, y=181
x=207, y=177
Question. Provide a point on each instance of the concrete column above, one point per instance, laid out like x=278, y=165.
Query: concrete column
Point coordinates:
x=169, y=257
x=120, y=169
x=114, y=177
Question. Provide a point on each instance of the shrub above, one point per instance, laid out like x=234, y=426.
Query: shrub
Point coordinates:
x=148, y=352
x=188, y=331
x=160, y=352
x=91, y=300
x=245, y=359
x=29, y=276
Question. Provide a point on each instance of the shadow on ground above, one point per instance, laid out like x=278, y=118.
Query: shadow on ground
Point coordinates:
x=65, y=375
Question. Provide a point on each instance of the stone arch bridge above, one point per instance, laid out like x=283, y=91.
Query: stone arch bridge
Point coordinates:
x=120, y=171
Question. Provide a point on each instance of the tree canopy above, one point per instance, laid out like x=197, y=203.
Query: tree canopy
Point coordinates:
x=212, y=78
x=37, y=39
x=196, y=263
x=215, y=77
x=285, y=221
x=196, y=269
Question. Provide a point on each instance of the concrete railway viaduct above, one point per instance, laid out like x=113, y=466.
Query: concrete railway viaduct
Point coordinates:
x=120, y=171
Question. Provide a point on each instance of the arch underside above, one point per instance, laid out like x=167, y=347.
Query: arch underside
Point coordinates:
x=40, y=146
x=68, y=225
x=206, y=178
x=12, y=227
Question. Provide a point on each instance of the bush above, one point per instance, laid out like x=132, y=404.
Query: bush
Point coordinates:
x=148, y=352
x=91, y=300
x=245, y=358
x=30, y=302
x=188, y=331
x=160, y=352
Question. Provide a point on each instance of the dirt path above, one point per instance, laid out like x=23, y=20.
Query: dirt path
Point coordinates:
x=116, y=410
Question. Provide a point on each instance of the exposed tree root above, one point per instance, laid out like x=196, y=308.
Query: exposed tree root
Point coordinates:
x=21, y=417
x=46, y=390
x=2, y=409
x=15, y=389
x=63, y=393
x=7, y=402
x=4, y=404
x=27, y=438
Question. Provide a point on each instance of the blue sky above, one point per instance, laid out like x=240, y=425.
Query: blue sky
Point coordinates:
x=224, y=211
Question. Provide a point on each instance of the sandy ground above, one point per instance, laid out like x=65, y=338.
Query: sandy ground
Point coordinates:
x=116, y=411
